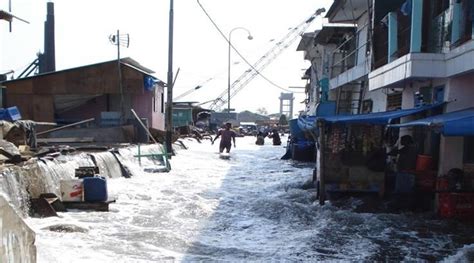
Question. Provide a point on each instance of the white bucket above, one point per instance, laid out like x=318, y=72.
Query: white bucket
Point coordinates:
x=71, y=190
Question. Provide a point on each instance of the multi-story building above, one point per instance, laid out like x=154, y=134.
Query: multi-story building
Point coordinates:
x=400, y=55
x=422, y=54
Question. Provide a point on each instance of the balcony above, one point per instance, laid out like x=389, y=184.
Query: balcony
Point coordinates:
x=351, y=59
x=446, y=48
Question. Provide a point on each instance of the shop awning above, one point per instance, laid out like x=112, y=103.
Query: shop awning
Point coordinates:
x=307, y=123
x=378, y=118
x=456, y=123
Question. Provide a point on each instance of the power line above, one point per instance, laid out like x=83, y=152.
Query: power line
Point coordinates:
x=235, y=49
x=265, y=60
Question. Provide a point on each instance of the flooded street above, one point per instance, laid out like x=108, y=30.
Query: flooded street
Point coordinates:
x=249, y=208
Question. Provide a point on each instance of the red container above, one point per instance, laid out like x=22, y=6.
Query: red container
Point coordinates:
x=426, y=180
x=442, y=184
x=456, y=205
x=424, y=162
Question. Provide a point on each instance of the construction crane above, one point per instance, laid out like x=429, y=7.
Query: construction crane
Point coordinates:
x=264, y=61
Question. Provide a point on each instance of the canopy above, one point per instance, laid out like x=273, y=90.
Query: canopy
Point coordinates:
x=456, y=123
x=378, y=118
x=308, y=123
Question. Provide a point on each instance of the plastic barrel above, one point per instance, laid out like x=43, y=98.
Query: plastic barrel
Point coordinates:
x=95, y=189
x=424, y=162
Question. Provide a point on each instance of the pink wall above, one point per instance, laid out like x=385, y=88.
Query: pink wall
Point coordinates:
x=149, y=107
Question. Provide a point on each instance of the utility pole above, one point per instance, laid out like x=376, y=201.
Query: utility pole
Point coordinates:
x=122, y=111
x=169, y=100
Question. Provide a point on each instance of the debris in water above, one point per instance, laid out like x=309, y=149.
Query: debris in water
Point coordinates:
x=67, y=228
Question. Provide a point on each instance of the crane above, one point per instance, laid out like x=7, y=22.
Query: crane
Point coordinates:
x=264, y=61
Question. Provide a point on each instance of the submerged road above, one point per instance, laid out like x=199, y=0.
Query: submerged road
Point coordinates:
x=249, y=208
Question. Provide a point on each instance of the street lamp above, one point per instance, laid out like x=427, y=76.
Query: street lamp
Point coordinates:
x=228, y=64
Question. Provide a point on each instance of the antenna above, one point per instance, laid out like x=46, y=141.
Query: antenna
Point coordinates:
x=4, y=15
x=120, y=40
x=124, y=41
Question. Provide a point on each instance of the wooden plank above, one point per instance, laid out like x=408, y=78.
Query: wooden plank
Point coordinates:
x=65, y=140
x=43, y=107
x=66, y=126
x=94, y=206
x=322, y=166
x=24, y=105
x=19, y=87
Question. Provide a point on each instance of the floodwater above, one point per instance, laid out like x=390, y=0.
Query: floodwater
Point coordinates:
x=249, y=208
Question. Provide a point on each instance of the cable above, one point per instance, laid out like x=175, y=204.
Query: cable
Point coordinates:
x=240, y=55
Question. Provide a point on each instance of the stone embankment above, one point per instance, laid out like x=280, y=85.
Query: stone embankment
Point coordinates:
x=18, y=240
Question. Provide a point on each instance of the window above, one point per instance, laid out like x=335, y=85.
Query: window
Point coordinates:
x=162, y=102
x=394, y=101
x=439, y=6
x=367, y=106
x=469, y=149
x=154, y=102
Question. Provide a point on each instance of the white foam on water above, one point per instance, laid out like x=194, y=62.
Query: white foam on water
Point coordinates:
x=248, y=208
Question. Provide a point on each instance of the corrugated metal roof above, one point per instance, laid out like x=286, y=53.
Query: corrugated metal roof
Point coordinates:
x=129, y=62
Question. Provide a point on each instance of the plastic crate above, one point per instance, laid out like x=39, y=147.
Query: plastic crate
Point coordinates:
x=10, y=114
x=456, y=205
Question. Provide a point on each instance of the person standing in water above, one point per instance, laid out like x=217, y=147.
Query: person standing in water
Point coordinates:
x=227, y=135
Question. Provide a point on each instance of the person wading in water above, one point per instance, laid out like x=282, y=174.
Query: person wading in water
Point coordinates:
x=227, y=134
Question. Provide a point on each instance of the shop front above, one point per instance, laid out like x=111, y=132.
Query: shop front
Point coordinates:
x=354, y=154
x=453, y=180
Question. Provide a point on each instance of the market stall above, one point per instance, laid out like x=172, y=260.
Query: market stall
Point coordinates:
x=454, y=181
x=352, y=154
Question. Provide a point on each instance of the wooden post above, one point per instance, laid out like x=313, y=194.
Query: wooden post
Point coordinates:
x=322, y=186
x=65, y=126
x=139, y=156
x=143, y=126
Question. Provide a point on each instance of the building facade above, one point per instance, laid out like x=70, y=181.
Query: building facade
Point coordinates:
x=88, y=92
x=400, y=54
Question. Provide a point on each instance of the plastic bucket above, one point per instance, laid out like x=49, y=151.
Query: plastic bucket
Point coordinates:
x=424, y=162
x=71, y=190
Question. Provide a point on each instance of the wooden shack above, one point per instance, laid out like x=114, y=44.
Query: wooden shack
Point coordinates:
x=89, y=91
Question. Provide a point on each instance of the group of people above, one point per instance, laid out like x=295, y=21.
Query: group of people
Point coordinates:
x=406, y=156
x=273, y=135
x=228, y=137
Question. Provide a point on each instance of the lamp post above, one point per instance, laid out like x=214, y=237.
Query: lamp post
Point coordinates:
x=228, y=64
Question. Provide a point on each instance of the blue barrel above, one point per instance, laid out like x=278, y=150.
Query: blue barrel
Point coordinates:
x=95, y=189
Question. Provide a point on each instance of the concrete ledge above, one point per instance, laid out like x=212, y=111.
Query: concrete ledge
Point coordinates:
x=425, y=65
x=355, y=73
x=412, y=65
x=18, y=240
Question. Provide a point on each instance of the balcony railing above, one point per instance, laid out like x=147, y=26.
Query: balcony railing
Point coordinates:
x=350, y=53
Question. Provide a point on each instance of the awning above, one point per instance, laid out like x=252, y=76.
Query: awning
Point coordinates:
x=456, y=123
x=307, y=123
x=378, y=118
x=333, y=33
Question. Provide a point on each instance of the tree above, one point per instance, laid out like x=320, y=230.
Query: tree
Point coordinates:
x=262, y=111
x=283, y=120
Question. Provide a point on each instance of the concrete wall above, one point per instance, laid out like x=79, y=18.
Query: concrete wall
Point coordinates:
x=18, y=240
x=379, y=99
x=460, y=93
